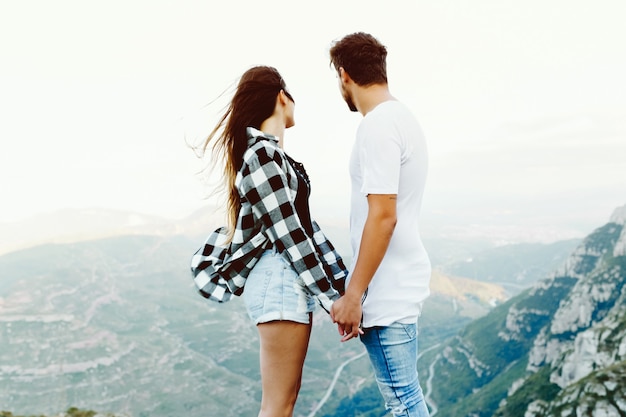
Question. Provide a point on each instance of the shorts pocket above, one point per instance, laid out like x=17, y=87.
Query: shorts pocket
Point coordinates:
x=256, y=287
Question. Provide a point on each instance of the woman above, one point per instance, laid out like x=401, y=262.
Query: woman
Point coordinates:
x=271, y=253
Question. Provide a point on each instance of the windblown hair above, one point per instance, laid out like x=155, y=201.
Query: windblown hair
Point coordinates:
x=253, y=102
x=362, y=56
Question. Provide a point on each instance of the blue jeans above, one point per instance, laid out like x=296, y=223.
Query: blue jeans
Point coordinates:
x=393, y=354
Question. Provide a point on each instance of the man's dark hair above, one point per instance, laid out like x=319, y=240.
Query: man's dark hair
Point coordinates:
x=362, y=56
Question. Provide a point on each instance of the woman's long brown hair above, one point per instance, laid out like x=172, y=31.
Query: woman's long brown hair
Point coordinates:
x=253, y=102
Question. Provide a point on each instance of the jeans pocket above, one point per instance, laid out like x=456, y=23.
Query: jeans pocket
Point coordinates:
x=410, y=329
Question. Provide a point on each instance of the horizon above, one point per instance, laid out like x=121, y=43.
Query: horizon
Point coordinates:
x=65, y=226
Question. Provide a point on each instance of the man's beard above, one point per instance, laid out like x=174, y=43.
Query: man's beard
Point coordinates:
x=349, y=102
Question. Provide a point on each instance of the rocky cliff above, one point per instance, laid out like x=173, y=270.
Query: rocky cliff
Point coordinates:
x=558, y=349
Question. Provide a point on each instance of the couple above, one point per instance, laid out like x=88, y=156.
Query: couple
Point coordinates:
x=286, y=263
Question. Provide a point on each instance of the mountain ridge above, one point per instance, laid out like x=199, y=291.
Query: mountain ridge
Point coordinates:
x=542, y=352
x=76, y=225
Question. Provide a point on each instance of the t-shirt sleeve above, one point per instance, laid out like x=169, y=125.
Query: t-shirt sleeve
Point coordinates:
x=380, y=158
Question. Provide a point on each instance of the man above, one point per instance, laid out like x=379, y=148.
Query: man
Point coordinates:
x=390, y=273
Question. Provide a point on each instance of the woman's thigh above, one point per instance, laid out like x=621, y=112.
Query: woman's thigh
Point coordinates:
x=284, y=346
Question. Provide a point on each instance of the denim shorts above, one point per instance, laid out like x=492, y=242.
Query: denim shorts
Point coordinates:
x=274, y=292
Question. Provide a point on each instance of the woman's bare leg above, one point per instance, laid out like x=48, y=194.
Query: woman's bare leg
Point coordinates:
x=283, y=349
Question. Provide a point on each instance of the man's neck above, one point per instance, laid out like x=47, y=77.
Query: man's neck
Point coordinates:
x=367, y=98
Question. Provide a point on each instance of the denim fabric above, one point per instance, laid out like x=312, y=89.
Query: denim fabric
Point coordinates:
x=393, y=354
x=274, y=292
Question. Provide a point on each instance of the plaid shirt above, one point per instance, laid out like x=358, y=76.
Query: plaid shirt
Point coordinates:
x=267, y=186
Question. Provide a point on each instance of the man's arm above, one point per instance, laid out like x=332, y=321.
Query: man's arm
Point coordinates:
x=377, y=232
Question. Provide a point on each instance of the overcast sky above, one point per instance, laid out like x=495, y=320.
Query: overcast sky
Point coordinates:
x=523, y=103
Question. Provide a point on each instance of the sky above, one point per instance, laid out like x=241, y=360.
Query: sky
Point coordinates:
x=523, y=104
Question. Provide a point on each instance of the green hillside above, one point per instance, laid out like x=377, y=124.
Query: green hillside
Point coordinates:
x=484, y=371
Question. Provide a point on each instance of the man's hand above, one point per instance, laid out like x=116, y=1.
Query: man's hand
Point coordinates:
x=346, y=312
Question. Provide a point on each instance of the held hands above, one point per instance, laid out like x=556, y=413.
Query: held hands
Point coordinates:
x=347, y=313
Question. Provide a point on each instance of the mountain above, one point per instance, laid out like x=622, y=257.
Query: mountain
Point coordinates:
x=115, y=325
x=556, y=349
x=76, y=225
x=516, y=266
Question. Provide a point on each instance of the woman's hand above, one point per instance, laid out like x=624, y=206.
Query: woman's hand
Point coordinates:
x=347, y=313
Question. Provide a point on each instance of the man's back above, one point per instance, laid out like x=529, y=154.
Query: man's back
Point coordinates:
x=390, y=157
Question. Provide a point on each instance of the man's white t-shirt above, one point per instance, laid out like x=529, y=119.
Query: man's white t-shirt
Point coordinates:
x=390, y=157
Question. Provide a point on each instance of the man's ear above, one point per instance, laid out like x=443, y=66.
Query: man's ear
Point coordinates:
x=344, y=76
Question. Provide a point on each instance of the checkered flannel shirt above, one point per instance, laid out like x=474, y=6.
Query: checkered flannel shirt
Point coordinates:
x=268, y=218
